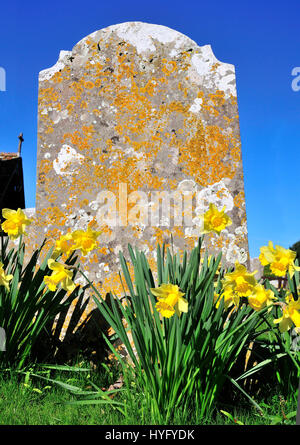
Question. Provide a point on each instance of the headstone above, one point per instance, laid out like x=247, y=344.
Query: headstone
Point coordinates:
x=138, y=131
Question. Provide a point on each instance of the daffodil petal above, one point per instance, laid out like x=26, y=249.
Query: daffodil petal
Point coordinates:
x=8, y=213
x=295, y=317
x=183, y=304
x=51, y=262
x=158, y=292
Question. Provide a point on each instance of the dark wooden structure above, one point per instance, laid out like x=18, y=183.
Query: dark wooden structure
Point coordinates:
x=12, y=194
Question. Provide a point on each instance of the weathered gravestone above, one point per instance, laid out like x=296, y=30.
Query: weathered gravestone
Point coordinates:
x=134, y=113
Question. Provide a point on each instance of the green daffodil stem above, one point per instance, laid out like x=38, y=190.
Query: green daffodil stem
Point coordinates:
x=298, y=410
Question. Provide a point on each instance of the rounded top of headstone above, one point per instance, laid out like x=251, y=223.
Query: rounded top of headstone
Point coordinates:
x=146, y=39
x=144, y=36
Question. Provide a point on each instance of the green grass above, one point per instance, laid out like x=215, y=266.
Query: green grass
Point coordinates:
x=38, y=402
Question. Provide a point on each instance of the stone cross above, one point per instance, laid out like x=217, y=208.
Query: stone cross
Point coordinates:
x=138, y=131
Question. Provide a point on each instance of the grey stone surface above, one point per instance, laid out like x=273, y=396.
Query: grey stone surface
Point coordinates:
x=135, y=109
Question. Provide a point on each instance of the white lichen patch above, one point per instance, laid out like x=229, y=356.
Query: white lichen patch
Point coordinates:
x=235, y=253
x=130, y=151
x=81, y=280
x=196, y=106
x=56, y=116
x=241, y=230
x=78, y=220
x=194, y=231
x=143, y=36
x=231, y=251
x=30, y=212
x=67, y=161
x=217, y=194
x=212, y=73
x=60, y=64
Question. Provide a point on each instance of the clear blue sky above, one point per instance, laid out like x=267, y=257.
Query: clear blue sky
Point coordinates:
x=262, y=40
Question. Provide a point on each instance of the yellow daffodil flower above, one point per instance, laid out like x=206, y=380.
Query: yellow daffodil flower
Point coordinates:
x=65, y=244
x=241, y=281
x=281, y=260
x=85, y=240
x=290, y=314
x=15, y=224
x=229, y=296
x=261, y=297
x=4, y=279
x=214, y=220
x=170, y=300
x=165, y=309
x=60, y=275
x=267, y=254
x=284, y=262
